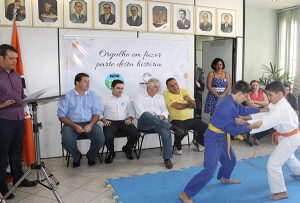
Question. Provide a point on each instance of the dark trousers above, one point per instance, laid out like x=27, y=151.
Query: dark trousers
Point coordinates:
x=11, y=144
x=264, y=133
x=195, y=124
x=119, y=126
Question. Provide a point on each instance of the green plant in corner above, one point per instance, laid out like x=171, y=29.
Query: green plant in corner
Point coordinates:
x=272, y=73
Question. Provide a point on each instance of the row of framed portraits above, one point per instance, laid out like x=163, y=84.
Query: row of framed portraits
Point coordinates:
x=137, y=15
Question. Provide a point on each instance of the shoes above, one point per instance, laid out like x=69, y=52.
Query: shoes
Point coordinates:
x=168, y=163
x=90, y=162
x=11, y=196
x=255, y=140
x=128, y=152
x=77, y=163
x=4, y=191
x=198, y=146
x=178, y=131
x=178, y=151
x=110, y=157
x=28, y=183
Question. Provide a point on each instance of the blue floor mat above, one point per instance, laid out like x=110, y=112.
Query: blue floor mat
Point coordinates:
x=164, y=187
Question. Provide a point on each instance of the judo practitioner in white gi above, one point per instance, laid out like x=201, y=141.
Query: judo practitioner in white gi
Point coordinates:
x=284, y=120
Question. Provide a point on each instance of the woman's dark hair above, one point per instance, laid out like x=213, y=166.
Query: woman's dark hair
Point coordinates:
x=215, y=62
x=252, y=81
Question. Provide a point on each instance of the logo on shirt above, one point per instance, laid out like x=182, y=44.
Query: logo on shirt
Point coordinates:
x=111, y=77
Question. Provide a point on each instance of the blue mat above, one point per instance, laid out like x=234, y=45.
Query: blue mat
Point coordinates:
x=164, y=187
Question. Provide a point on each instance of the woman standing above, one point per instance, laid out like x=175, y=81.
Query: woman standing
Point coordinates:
x=218, y=85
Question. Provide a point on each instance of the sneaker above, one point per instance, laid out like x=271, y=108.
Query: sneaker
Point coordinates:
x=178, y=152
x=198, y=146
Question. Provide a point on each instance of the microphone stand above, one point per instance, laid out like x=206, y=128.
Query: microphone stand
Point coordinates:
x=39, y=166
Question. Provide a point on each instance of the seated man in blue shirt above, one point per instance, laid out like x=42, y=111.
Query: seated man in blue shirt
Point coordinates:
x=79, y=111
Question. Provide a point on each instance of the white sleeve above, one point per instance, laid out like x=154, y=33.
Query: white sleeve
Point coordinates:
x=102, y=104
x=130, y=109
x=138, y=105
x=270, y=120
x=163, y=107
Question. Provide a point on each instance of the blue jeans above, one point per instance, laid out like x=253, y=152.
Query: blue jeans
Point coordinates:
x=148, y=121
x=69, y=141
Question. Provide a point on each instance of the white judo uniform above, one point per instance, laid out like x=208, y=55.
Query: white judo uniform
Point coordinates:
x=283, y=119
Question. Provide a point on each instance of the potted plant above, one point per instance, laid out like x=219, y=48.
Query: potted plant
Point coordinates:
x=272, y=73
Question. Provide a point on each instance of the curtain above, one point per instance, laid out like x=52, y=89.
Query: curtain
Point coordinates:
x=288, y=41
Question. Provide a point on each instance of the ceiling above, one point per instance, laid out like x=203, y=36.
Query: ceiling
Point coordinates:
x=269, y=4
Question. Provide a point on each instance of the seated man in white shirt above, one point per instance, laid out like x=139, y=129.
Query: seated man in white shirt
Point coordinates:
x=118, y=114
x=152, y=114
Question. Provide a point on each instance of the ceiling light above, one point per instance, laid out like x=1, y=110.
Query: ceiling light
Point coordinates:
x=274, y=0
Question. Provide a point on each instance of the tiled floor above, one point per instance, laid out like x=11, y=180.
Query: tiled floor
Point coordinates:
x=87, y=184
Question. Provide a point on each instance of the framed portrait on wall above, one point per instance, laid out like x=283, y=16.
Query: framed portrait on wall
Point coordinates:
x=21, y=9
x=183, y=19
x=159, y=17
x=205, y=21
x=47, y=13
x=134, y=15
x=107, y=14
x=78, y=14
x=226, y=23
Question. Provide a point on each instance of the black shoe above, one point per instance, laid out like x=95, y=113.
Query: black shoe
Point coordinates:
x=90, y=162
x=110, y=157
x=11, y=196
x=4, y=192
x=128, y=152
x=77, y=163
x=168, y=163
x=28, y=183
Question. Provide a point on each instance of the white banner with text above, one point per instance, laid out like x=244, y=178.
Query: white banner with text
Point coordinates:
x=133, y=61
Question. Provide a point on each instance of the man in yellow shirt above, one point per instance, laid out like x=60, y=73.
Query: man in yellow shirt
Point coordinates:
x=180, y=105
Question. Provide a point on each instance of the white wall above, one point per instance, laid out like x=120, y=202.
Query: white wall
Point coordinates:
x=260, y=40
x=40, y=58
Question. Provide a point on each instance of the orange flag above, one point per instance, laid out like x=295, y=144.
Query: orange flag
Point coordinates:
x=28, y=141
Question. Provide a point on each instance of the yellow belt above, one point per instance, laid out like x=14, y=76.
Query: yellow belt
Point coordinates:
x=219, y=131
